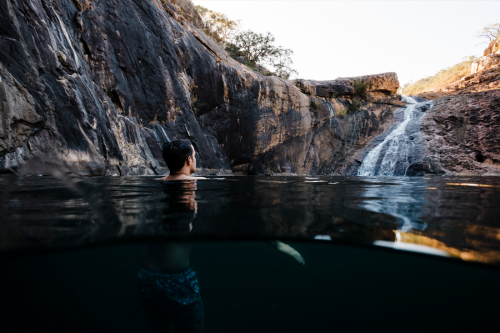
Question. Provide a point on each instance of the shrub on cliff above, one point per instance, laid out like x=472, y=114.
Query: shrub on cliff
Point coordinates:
x=254, y=50
x=361, y=88
x=441, y=79
x=217, y=25
x=259, y=50
x=254, y=47
x=342, y=112
x=356, y=104
x=282, y=62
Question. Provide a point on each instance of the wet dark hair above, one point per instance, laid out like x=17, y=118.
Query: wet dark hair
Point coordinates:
x=176, y=152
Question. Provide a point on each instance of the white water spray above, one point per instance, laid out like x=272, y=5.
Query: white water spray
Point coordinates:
x=331, y=109
x=398, y=147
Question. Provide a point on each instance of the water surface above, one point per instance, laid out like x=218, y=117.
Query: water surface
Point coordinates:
x=456, y=215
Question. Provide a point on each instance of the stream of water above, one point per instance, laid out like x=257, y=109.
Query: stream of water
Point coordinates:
x=392, y=157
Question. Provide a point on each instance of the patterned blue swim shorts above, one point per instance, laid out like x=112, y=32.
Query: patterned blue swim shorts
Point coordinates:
x=176, y=295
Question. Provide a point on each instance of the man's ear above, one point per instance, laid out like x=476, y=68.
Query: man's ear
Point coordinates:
x=189, y=160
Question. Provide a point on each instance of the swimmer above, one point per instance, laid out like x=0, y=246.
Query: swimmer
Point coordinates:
x=181, y=160
x=168, y=287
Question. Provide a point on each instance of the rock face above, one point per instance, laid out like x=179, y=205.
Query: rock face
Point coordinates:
x=386, y=83
x=461, y=132
x=492, y=48
x=490, y=59
x=323, y=136
x=101, y=85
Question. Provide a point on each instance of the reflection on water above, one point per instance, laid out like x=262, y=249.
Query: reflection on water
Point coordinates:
x=457, y=215
x=167, y=286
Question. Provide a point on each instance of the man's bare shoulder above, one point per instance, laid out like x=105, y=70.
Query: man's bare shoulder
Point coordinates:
x=181, y=177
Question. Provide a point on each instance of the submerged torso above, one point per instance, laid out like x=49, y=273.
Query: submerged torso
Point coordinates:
x=169, y=257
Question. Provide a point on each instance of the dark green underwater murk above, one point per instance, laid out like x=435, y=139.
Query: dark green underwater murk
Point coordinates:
x=249, y=287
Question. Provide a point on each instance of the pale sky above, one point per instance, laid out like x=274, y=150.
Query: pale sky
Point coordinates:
x=333, y=39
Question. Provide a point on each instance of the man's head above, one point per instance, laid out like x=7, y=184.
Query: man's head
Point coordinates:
x=179, y=154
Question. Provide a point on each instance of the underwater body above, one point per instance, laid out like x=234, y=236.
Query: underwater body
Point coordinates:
x=379, y=252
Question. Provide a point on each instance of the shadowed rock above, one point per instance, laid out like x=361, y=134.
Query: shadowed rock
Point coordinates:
x=102, y=85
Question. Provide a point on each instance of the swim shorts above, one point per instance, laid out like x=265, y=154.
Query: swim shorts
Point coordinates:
x=174, y=295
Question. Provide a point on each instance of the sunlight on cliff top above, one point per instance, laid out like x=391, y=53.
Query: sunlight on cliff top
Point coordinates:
x=333, y=39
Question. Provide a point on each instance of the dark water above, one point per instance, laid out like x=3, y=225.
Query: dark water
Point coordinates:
x=457, y=215
x=71, y=248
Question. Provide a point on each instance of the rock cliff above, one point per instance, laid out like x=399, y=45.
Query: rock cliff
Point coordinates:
x=100, y=85
x=462, y=130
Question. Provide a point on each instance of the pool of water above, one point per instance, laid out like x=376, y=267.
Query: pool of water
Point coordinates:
x=381, y=253
x=456, y=216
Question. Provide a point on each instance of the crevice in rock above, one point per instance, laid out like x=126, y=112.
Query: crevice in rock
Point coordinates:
x=480, y=157
x=104, y=149
x=115, y=99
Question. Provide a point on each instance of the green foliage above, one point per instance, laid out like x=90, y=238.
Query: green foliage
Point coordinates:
x=282, y=63
x=217, y=25
x=441, y=79
x=233, y=51
x=259, y=49
x=342, y=112
x=356, y=104
x=332, y=95
x=315, y=105
x=255, y=47
x=361, y=88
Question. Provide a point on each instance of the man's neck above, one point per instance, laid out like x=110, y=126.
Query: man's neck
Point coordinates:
x=184, y=173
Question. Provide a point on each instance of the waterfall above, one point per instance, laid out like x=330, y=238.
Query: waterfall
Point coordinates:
x=392, y=157
x=331, y=109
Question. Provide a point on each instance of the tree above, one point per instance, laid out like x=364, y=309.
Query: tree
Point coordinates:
x=254, y=47
x=218, y=24
x=282, y=62
x=490, y=32
x=259, y=50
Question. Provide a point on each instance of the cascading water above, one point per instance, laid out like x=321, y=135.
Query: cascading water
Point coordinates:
x=331, y=109
x=392, y=157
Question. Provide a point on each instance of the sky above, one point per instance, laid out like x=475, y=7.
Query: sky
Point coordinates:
x=333, y=39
